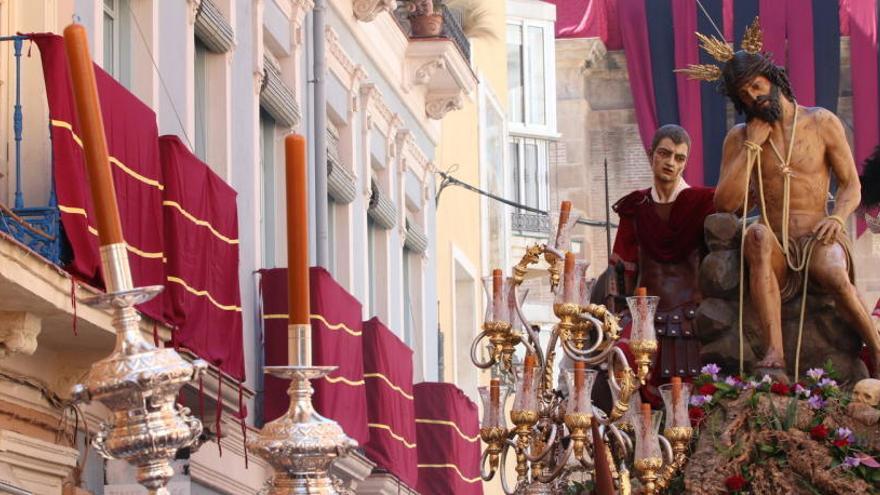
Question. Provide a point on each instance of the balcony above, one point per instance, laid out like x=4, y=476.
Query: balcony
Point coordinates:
x=530, y=223
x=439, y=64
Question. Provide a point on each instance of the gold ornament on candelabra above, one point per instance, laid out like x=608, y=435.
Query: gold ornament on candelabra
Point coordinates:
x=552, y=435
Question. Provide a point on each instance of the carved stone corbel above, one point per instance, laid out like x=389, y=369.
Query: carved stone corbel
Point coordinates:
x=427, y=70
x=367, y=10
x=437, y=107
x=18, y=332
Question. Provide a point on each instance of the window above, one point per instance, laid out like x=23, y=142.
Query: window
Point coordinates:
x=267, y=169
x=529, y=159
x=409, y=322
x=117, y=36
x=530, y=61
x=372, y=272
x=200, y=77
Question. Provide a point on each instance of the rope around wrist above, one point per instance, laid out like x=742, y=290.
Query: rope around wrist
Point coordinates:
x=753, y=146
x=838, y=219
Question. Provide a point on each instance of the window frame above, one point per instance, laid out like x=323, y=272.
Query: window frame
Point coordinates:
x=548, y=128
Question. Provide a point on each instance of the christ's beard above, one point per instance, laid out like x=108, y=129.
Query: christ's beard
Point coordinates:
x=769, y=113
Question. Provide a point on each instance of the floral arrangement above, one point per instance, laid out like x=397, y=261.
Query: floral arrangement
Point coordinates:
x=820, y=391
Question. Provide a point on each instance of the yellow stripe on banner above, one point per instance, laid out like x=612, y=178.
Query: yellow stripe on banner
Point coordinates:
x=115, y=161
x=448, y=423
x=330, y=326
x=202, y=293
x=337, y=326
x=385, y=378
x=358, y=383
x=451, y=466
x=144, y=254
x=197, y=221
x=393, y=435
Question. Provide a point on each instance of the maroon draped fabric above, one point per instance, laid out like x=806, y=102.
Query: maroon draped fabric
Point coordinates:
x=666, y=242
x=202, y=298
x=336, y=341
x=132, y=136
x=636, y=42
x=388, y=377
x=448, y=438
x=588, y=19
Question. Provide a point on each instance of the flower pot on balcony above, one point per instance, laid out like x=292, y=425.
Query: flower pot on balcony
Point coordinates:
x=426, y=26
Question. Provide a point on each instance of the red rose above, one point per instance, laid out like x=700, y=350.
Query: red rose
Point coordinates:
x=696, y=414
x=841, y=442
x=735, y=483
x=819, y=432
x=779, y=388
x=708, y=389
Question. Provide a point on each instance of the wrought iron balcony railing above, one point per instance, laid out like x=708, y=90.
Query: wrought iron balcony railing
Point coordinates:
x=452, y=28
x=37, y=227
x=530, y=223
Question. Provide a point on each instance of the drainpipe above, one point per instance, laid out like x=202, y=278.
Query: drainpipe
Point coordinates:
x=320, y=129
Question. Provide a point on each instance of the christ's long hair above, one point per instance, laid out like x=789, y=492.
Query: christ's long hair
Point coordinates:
x=743, y=67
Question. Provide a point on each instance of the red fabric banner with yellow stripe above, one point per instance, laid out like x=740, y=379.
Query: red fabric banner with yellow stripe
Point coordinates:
x=202, y=297
x=337, y=340
x=388, y=378
x=132, y=140
x=448, y=438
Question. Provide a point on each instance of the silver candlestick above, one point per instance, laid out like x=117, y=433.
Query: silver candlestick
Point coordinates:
x=138, y=382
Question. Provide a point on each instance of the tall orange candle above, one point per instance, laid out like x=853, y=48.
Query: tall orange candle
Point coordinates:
x=568, y=278
x=497, y=294
x=646, y=416
x=494, y=393
x=564, y=214
x=85, y=92
x=642, y=291
x=580, y=368
x=676, y=391
x=297, y=229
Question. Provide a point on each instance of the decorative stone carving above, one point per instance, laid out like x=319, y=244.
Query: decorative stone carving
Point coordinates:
x=367, y=10
x=193, y=10
x=426, y=71
x=438, y=106
x=18, y=332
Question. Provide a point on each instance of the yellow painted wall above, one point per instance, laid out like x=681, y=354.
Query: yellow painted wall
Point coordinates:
x=459, y=212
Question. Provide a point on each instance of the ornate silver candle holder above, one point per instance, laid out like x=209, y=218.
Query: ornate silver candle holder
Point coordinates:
x=138, y=382
x=301, y=444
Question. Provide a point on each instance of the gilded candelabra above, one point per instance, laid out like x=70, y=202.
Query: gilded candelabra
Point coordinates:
x=551, y=435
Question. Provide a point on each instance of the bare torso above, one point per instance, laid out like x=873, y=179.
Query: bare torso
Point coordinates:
x=810, y=169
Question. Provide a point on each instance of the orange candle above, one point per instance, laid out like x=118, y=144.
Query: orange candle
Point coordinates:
x=676, y=391
x=642, y=291
x=568, y=278
x=604, y=480
x=580, y=374
x=564, y=213
x=646, y=416
x=297, y=229
x=85, y=92
x=497, y=295
x=494, y=393
x=529, y=366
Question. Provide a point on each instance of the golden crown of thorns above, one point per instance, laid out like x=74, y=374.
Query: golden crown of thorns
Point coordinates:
x=720, y=50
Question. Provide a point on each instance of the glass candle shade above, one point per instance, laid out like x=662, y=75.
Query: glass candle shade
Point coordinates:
x=527, y=384
x=676, y=405
x=574, y=286
x=493, y=405
x=646, y=432
x=497, y=290
x=515, y=295
x=580, y=389
x=564, y=222
x=643, y=309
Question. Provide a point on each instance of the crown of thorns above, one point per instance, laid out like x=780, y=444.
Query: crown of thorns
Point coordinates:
x=753, y=42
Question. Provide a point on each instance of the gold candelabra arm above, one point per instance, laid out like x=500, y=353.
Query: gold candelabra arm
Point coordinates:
x=532, y=256
x=680, y=438
x=628, y=383
x=647, y=470
x=494, y=438
x=643, y=351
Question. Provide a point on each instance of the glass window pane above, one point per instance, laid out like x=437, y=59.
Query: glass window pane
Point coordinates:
x=201, y=103
x=267, y=169
x=516, y=174
x=537, y=91
x=109, y=44
x=408, y=318
x=515, y=72
x=531, y=174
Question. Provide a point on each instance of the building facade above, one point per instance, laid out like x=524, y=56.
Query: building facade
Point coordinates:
x=231, y=78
